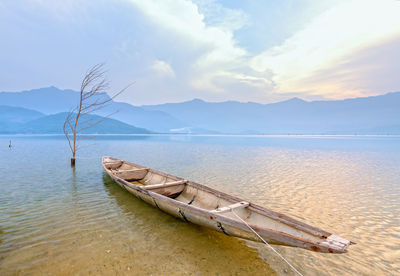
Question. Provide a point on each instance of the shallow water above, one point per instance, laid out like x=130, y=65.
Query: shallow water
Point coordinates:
x=56, y=220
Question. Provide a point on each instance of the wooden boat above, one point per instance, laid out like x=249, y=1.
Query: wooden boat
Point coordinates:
x=199, y=204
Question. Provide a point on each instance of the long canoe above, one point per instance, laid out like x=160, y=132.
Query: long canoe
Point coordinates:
x=202, y=205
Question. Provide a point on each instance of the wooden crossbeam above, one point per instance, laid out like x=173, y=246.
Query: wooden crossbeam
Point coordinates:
x=241, y=204
x=164, y=185
x=134, y=170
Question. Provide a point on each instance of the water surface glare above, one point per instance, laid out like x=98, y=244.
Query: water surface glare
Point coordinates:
x=56, y=220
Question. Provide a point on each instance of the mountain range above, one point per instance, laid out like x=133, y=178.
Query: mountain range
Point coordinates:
x=367, y=115
x=51, y=100
x=17, y=120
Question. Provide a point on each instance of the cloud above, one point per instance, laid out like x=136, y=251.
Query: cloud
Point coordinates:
x=163, y=69
x=371, y=71
x=339, y=32
x=215, y=46
x=216, y=50
x=219, y=66
x=215, y=14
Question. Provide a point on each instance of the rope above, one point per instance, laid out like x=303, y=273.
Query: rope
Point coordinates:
x=294, y=269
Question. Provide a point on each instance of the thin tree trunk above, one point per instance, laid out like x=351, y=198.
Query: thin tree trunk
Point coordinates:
x=94, y=83
x=75, y=129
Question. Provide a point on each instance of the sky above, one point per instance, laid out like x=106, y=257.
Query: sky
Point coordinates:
x=177, y=50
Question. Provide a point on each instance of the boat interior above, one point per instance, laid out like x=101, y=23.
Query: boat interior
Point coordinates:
x=173, y=187
x=199, y=196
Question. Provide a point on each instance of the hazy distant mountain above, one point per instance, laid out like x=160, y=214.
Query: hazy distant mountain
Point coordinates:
x=11, y=117
x=47, y=100
x=18, y=114
x=52, y=100
x=369, y=115
x=53, y=124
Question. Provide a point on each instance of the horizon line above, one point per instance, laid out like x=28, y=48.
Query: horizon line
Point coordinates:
x=212, y=102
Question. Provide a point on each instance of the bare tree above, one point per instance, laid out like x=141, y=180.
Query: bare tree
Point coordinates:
x=92, y=99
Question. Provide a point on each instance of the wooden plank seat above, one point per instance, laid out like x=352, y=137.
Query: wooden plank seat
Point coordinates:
x=164, y=185
x=241, y=204
x=131, y=170
x=113, y=164
x=131, y=175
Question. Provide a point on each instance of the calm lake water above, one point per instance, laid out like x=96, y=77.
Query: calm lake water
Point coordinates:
x=57, y=221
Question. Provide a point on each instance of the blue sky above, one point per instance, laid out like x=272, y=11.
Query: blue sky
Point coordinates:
x=263, y=51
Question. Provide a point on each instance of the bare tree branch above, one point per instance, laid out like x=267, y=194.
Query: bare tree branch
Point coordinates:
x=93, y=97
x=85, y=146
x=68, y=126
x=85, y=137
x=95, y=123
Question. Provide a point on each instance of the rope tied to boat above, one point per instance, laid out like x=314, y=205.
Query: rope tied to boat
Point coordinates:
x=273, y=249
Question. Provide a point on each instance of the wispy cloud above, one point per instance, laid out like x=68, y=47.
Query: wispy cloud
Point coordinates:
x=338, y=33
x=217, y=52
x=371, y=71
x=163, y=69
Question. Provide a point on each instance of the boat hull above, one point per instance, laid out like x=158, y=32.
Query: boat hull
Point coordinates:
x=228, y=225
x=190, y=214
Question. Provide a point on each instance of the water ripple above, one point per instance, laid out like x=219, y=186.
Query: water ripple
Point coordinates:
x=54, y=220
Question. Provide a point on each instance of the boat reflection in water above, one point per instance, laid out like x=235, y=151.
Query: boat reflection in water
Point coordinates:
x=183, y=247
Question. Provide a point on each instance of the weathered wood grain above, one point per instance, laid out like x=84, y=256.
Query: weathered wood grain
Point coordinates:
x=202, y=205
